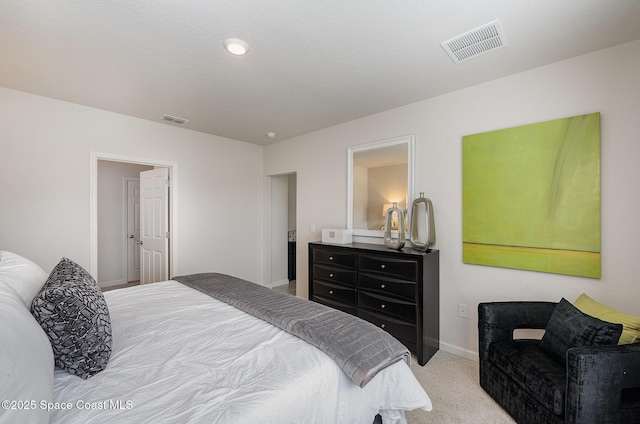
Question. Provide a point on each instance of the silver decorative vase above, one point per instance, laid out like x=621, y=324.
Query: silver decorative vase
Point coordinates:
x=391, y=242
x=422, y=229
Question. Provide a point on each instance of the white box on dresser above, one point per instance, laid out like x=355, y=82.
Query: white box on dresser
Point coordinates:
x=337, y=236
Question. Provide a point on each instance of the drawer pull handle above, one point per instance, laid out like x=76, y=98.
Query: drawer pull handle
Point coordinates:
x=383, y=266
x=382, y=325
x=330, y=258
x=382, y=286
x=383, y=306
x=330, y=291
x=331, y=275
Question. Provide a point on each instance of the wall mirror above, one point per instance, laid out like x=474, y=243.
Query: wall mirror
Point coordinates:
x=378, y=174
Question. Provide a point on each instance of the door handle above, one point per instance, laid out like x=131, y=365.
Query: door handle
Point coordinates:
x=139, y=243
x=131, y=236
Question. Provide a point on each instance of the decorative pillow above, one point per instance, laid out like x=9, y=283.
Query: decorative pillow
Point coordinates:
x=73, y=313
x=22, y=275
x=26, y=361
x=568, y=327
x=630, y=323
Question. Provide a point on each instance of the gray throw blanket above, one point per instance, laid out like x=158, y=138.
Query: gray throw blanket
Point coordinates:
x=358, y=347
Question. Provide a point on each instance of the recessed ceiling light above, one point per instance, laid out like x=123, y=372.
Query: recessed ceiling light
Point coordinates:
x=271, y=134
x=236, y=46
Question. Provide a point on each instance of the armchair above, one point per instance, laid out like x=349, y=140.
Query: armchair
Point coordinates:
x=598, y=384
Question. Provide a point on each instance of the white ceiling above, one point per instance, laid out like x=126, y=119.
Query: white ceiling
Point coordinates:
x=312, y=64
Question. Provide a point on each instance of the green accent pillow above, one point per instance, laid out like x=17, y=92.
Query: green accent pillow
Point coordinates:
x=630, y=323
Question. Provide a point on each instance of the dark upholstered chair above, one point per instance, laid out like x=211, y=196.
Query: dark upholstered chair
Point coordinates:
x=598, y=384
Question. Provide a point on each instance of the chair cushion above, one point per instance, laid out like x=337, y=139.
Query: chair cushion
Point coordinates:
x=535, y=371
x=568, y=327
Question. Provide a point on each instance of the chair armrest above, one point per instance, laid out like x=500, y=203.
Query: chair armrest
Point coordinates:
x=497, y=320
x=603, y=384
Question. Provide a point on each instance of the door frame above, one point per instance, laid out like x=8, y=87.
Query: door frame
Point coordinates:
x=93, y=204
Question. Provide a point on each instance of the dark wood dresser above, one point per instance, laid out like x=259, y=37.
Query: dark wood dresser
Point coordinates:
x=398, y=290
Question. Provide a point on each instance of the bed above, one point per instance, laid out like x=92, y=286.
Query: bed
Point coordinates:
x=178, y=355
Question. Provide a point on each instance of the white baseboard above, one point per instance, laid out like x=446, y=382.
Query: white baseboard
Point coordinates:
x=465, y=353
x=112, y=283
x=277, y=283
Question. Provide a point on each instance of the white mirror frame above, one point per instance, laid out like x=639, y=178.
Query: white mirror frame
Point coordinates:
x=410, y=141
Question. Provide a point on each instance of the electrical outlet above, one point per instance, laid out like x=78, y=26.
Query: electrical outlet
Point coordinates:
x=462, y=310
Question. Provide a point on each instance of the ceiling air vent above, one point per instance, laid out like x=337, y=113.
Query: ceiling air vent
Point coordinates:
x=476, y=42
x=174, y=119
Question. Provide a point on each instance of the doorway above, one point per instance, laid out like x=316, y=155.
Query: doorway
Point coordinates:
x=109, y=228
x=283, y=199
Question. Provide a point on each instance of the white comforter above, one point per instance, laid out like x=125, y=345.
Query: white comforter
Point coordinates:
x=180, y=356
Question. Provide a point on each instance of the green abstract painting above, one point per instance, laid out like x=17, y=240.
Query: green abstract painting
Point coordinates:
x=531, y=197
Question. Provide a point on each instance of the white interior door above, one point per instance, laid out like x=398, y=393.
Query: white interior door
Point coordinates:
x=133, y=230
x=154, y=222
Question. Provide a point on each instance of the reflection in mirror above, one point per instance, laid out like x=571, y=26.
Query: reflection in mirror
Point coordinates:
x=380, y=174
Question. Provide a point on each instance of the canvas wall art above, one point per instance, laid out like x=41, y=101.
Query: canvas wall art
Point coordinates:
x=531, y=197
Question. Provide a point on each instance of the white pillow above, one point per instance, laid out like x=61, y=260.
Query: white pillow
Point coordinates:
x=22, y=275
x=26, y=362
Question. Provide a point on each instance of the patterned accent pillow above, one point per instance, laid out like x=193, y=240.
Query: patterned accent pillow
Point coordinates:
x=73, y=313
x=568, y=327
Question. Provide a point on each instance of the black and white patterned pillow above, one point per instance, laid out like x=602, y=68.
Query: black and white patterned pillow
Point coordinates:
x=73, y=313
x=569, y=327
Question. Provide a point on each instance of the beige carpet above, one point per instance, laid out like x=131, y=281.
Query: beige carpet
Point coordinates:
x=452, y=384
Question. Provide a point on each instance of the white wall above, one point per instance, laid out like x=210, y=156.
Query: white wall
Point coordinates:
x=607, y=81
x=45, y=149
x=291, y=202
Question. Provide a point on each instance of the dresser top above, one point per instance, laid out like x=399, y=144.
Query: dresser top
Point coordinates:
x=375, y=248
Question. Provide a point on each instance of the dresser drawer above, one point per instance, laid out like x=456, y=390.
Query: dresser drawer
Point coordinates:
x=389, y=286
x=333, y=257
x=387, y=306
x=402, y=268
x=397, y=328
x=330, y=273
x=334, y=291
x=344, y=307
